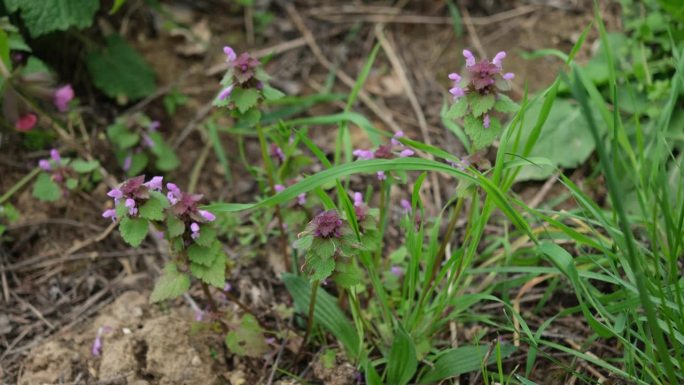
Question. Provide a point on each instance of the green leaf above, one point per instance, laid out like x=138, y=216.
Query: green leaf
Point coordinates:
x=117, y=5
x=320, y=268
x=505, y=105
x=480, y=136
x=82, y=166
x=166, y=157
x=153, y=209
x=5, y=49
x=458, y=109
x=271, y=93
x=207, y=235
x=119, y=71
x=326, y=312
x=45, y=189
x=248, y=339
x=565, y=139
x=480, y=104
x=303, y=243
x=133, y=230
x=348, y=275
x=71, y=183
x=454, y=362
x=171, y=284
x=215, y=274
x=121, y=136
x=204, y=255
x=174, y=226
x=244, y=98
x=323, y=248
x=42, y=16
x=402, y=361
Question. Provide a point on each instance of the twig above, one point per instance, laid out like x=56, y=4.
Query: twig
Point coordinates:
x=536, y=200
x=197, y=168
x=34, y=311
x=386, y=15
x=472, y=33
x=382, y=113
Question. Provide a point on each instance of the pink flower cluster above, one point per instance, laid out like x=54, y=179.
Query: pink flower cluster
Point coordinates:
x=136, y=192
x=386, y=151
x=243, y=69
x=483, y=78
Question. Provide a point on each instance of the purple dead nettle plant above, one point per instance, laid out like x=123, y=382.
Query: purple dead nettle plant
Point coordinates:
x=24, y=91
x=386, y=151
x=478, y=96
x=58, y=176
x=139, y=205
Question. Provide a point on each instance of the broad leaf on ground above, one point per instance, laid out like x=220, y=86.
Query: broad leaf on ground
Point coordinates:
x=119, y=71
x=42, y=16
x=565, y=139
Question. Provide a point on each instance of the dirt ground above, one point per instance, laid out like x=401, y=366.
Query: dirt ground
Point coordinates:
x=65, y=275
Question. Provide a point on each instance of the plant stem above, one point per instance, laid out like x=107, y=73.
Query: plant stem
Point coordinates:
x=27, y=178
x=310, y=319
x=455, y=214
x=212, y=304
x=271, y=184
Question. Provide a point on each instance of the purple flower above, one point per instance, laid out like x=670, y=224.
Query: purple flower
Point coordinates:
x=381, y=175
x=277, y=152
x=327, y=224
x=395, y=139
x=195, y=229
x=225, y=93
x=397, y=271
x=174, y=193
x=111, y=213
x=457, y=92
x=499, y=58
x=508, y=76
x=358, y=199
x=199, y=315
x=130, y=204
x=470, y=59
x=278, y=188
x=207, y=215
x=230, y=54
x=301, y=199
x=96, y=348
x=364, y=154
x=62, y=97
x=406, y=205
x=154, y=125
x=227, y=287
x=243, y=67
x=455, y=77
x=54, y=154
x=116, y=194
x=155, y=183
x=147, y=140
x=486, y=121
x=44, y=164
x=406, y=153
x=128, y=161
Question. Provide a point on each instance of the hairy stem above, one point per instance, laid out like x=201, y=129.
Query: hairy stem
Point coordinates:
x=212, y=304
x=310, y=319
